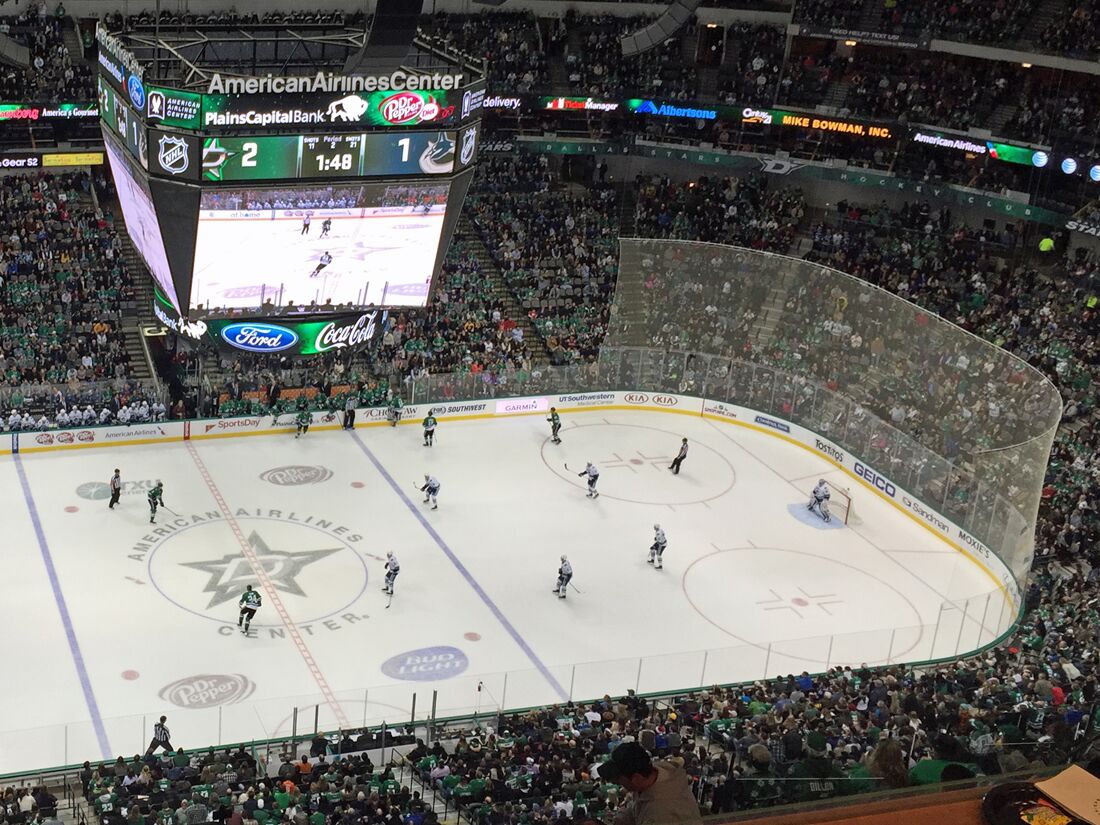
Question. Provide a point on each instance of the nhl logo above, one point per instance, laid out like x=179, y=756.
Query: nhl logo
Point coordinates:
x=469, y=143
x=173, y=155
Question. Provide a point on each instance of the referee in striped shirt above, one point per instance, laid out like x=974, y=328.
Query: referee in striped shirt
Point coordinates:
x=160, y=737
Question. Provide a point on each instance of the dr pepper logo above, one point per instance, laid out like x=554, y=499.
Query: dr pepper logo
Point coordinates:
x=407, y=107
x=635, y=398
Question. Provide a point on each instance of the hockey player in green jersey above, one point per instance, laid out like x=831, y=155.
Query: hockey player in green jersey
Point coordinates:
x=429, y=429
x=396, y=406
x=156, y=499
x=250, y=602
x=555, y=425
x=303, y=420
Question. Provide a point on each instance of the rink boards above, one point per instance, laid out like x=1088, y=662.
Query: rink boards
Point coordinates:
x=859, y=471
x=135, y=619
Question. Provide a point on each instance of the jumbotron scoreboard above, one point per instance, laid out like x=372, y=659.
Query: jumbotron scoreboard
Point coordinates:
x=313, y=194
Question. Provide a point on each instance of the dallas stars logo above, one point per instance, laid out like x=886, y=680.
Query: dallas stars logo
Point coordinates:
x=214, y=158
x=229, y=574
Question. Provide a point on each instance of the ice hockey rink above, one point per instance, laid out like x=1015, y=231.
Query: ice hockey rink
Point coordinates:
x=378, y=256
x=116, y=621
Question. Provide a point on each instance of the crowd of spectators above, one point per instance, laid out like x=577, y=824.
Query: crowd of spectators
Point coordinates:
x=736, y=211
x=1053, y=108
x=596, y=66
x=64, y=287
x=556, y=248
x=232, y=786
x=516, y=60
x=1075, y=32
x=796, y=738
x=752, y=65
x=53, y=75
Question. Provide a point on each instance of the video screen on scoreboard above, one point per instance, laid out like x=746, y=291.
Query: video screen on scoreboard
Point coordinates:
x=361, y=243
x=141, y=218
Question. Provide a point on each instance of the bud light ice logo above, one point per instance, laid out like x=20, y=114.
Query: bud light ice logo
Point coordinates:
x=253, y=337
x=428, y=664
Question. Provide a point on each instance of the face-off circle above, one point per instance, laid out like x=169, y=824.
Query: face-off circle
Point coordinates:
x=316, y=572
x=810, y=602
x=633, y=461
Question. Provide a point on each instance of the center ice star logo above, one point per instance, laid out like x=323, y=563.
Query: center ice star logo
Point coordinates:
x=230, y=574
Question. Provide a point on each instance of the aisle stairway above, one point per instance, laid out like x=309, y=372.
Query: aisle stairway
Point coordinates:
x=472, y=240
x=135, y=313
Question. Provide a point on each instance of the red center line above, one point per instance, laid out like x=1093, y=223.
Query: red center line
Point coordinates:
x=271, y=593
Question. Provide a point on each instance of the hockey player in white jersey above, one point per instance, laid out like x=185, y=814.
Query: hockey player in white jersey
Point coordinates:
x=593, y=476
x=392, y=569
x=430, y=489
x=657, y=549
x=565, y=573
x=819, y=501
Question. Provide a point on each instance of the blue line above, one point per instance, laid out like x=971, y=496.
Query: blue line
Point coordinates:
x=466, y=574
x=63, y=610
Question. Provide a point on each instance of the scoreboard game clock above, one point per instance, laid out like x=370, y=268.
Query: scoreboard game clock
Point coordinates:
x=292, y=157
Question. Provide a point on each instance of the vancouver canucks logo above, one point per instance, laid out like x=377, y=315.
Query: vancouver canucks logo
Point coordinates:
x=439, y=156
x=230, y=573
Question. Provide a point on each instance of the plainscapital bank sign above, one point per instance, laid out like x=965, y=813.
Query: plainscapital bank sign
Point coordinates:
x=349, y=331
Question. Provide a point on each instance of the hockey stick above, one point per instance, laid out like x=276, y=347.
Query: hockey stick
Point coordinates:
x=575, y=588
x=566, y=466
x=169, y=509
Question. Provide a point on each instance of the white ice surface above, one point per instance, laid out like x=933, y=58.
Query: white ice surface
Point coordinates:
x=749, y=587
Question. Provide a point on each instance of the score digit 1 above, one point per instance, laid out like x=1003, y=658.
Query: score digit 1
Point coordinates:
x=404, y=143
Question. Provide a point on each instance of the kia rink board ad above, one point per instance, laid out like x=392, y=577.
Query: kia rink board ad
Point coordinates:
x=359, y=244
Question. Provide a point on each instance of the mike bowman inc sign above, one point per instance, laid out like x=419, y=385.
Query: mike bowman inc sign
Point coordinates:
x=349, y=332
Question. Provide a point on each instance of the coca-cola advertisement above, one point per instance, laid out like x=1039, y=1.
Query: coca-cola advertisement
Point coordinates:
x=343, y=332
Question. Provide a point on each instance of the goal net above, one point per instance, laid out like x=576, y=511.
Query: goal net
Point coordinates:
x=840, y=503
